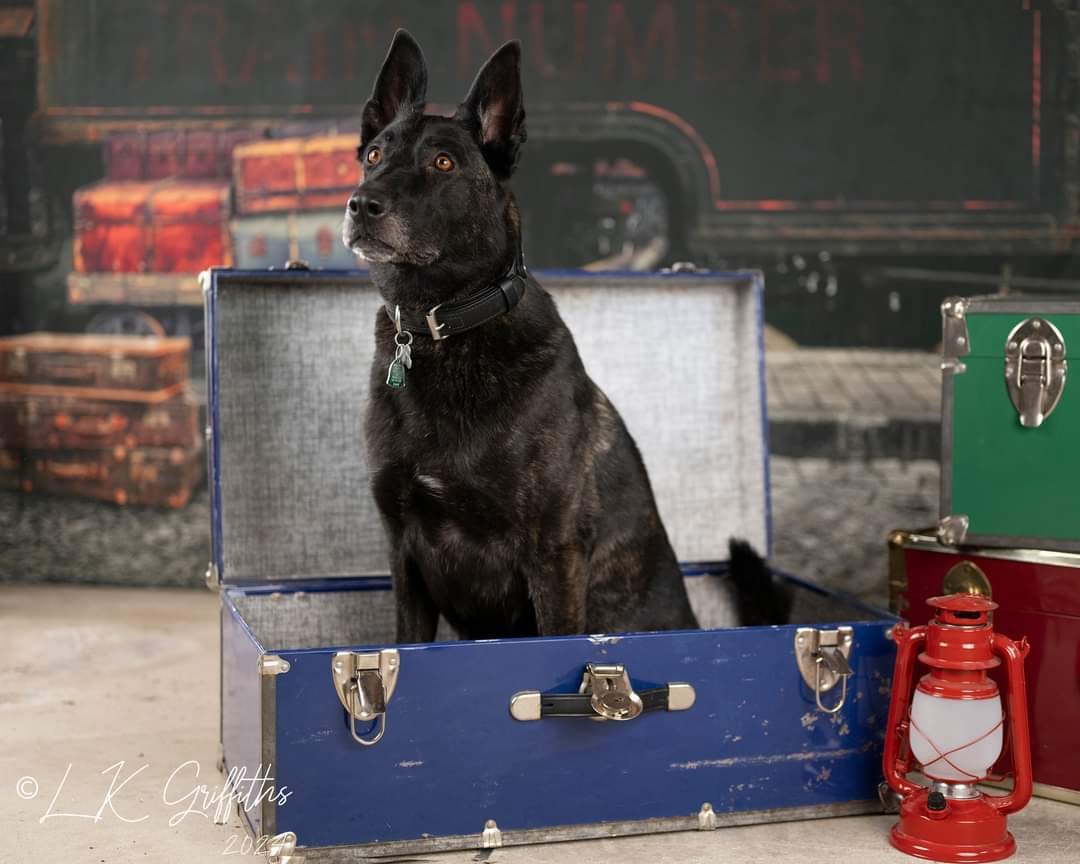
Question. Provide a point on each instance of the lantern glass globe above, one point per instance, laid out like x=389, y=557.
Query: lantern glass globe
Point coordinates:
x=954, y=725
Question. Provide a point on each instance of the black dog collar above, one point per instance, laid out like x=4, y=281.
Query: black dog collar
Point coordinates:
x=450, y=319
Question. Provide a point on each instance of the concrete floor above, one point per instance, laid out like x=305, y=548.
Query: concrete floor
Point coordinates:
x=108, y=688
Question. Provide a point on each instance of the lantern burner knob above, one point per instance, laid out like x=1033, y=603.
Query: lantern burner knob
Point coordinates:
x=935, y=802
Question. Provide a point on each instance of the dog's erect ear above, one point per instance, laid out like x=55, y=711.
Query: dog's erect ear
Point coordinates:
x=401, y=86
x=495, y=109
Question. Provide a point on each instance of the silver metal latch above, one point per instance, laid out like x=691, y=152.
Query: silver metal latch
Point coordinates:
x=610, y=692
x=954, y=335
x=952, y=529
x=1035, y=369
x=605, y=694
x=822, y=656
x=364, y=684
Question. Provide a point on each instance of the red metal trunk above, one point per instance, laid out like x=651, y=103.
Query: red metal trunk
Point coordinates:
x=1038, y=595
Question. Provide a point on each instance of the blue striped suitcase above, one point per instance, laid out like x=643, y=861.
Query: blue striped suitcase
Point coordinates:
x=270, y=240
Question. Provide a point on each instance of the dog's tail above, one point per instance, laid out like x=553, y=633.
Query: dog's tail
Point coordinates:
x=760, y=596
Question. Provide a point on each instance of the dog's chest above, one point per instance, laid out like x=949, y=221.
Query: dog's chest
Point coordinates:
x=455, y=530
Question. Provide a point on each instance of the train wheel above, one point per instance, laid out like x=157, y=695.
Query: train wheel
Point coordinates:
x=125, y=322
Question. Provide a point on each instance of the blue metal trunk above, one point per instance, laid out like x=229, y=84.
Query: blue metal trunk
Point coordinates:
x=298, y=549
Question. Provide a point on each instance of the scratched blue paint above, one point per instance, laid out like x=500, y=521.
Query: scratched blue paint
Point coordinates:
x=453, y=757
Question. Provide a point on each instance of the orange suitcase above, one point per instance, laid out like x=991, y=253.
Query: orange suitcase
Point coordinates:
x=295, y=173
x=170, y=226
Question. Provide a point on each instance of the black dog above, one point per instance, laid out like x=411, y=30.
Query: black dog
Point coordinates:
x=515, y=500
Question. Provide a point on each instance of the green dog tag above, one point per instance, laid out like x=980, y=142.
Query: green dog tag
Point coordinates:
x=395, y=375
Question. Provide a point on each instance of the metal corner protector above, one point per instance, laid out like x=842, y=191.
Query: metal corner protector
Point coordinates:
x=272, y=664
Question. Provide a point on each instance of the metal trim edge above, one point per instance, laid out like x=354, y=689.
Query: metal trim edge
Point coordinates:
x=897, y=568
x=1012, y=305
x=1056, y=793
x=209, y=279
x=1045, y=790
x=926, y=538
x=948, y=396
x=1011, y=541
x=268, y=720
x=590, y=831
x=758, y=283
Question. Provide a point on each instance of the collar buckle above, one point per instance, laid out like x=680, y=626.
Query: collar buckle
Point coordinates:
x=433, y=324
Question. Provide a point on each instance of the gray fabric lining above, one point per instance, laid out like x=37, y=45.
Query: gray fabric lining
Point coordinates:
x=679, y=359
x=321, y=619
x=327, y=619
x=680, y=364
x=293, y=369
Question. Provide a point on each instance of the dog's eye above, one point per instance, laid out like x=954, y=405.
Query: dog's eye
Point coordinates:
x=443, y=162
x=373, y=156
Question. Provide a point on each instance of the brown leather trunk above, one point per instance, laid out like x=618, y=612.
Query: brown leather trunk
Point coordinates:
x=136, y=368
x=146, y=476
x=295, y=174
x=53, y=422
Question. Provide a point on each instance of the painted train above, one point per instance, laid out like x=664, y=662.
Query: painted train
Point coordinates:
x=869, y=156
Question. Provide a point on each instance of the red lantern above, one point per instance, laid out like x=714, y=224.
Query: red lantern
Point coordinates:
x=954, y=731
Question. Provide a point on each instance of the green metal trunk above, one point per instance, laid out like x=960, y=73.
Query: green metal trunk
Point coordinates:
x=1010, y=458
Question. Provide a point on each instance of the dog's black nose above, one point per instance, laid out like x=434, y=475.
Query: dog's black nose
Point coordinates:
x=371, y=205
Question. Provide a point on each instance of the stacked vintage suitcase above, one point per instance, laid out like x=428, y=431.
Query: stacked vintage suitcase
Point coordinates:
x=107, y=417
x=165, y=211
x=289, y=195
x=160, y=215
x=1010, y=505
x=762, y=723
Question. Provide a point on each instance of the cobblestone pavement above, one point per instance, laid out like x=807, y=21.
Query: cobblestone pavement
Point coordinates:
x=873, y=385
x=830, y=520
x=839, y=404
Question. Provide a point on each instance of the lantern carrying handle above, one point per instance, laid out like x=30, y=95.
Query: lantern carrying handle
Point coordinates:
x=1013, y=654
x=907, y=642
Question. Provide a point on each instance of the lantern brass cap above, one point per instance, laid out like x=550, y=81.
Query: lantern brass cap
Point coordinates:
x=966, y=578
